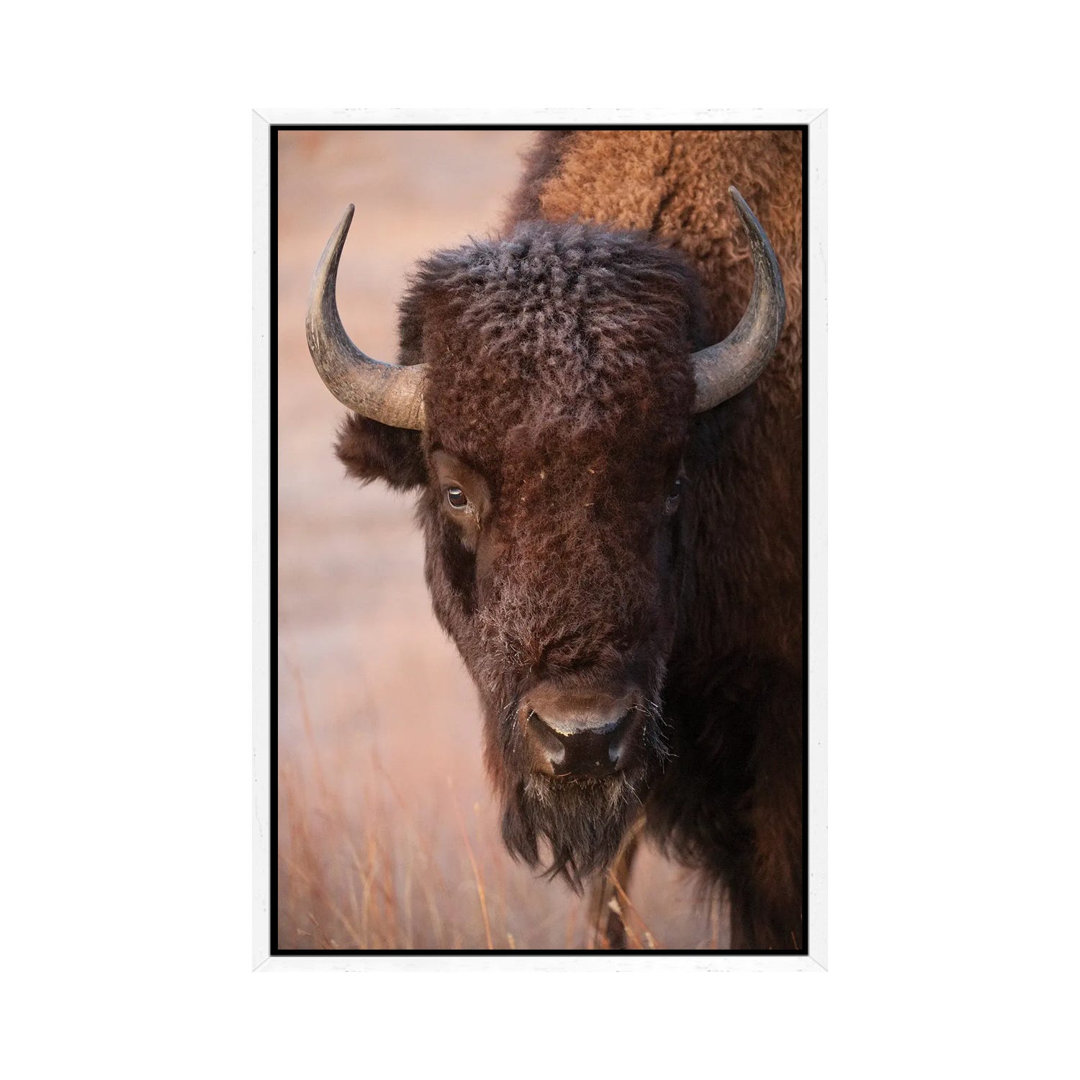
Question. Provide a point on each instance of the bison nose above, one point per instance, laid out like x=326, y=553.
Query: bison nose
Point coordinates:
x=581, y=735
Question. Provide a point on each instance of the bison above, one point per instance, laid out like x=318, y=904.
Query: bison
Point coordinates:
x=600, y=411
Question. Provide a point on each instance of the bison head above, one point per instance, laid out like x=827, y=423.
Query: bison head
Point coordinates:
x=542, y=405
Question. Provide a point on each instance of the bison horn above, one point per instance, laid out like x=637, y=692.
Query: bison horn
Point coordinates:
x=731, y=365
x=389, y=393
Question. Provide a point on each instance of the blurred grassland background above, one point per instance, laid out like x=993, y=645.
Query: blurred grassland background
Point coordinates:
x=388, y=828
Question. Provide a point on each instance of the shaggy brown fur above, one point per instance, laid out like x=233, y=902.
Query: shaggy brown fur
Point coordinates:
x=559, y=382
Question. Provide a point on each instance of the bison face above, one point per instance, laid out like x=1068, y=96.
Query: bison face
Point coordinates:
x=558, y=399
x=543, y=405
x=552, y=564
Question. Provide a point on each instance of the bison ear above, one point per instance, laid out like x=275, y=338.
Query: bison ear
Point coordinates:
x=372, y=451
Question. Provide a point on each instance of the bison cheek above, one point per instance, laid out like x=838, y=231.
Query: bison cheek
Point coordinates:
x=450, y=572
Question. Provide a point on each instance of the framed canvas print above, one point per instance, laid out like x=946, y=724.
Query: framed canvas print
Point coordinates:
x=540, y=475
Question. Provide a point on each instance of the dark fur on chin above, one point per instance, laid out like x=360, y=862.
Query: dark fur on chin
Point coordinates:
x=581, y=822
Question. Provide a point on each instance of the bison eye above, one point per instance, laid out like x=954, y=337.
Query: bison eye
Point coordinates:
x=456, y=498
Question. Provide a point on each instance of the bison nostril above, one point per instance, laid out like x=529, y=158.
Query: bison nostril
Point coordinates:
x=619, y=747
x=546, y=739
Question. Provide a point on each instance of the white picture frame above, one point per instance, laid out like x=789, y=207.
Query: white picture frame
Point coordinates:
x=815, y=958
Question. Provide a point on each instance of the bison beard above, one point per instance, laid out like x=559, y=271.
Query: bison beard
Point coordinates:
x=583, y=821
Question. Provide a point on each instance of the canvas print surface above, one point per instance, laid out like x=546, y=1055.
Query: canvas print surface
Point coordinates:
x=539, y=664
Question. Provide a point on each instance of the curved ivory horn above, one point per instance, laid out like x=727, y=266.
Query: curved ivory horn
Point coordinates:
x=389, y=393
x=731, y=365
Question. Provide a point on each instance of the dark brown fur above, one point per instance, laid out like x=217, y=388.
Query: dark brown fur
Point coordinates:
x=558, y=372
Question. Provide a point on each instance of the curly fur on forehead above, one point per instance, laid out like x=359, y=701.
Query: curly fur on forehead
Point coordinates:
x=561, y=327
